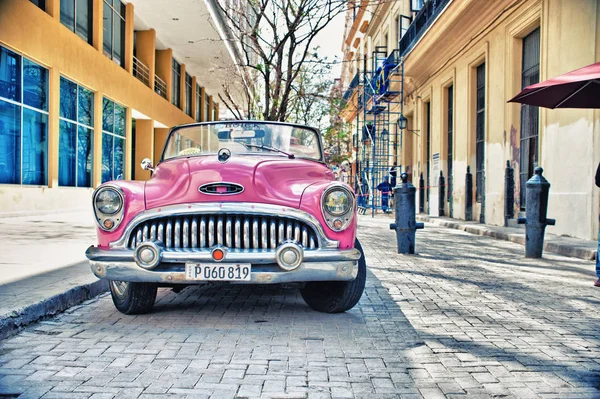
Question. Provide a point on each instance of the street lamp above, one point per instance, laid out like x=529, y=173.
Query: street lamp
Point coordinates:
x=402, y=122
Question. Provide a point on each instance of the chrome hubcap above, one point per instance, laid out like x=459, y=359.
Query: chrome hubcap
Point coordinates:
x=119, y=287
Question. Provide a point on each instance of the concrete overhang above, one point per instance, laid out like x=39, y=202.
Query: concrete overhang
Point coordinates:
x=187, y=27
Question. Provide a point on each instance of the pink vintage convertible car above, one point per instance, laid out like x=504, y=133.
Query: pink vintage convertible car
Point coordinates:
x=242, y=201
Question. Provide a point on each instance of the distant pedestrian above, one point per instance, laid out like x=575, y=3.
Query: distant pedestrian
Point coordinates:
x=597, y=282
x=363, y=195
x=386, y=188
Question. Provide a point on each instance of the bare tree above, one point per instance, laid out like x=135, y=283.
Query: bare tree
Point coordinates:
x=275, y=40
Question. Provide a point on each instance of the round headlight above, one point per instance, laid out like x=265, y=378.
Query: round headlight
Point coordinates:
x=109, y=201
x=337, y=202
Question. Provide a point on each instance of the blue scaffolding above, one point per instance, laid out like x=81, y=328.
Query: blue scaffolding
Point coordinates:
x=378, y=138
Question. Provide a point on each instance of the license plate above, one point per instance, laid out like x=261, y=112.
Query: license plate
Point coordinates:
x=218, y=272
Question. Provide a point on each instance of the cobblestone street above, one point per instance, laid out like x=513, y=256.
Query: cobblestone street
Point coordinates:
x=468, y=317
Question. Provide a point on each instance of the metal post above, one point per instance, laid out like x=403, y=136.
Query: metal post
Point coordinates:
x=482, y=211
x=421, y=194
x=450, y=196
x=469, y=195
x=509, y=193
x=442, y=193
x=405, y=225
x=538, y=191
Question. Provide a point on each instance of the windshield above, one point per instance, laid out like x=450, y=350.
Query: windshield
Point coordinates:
x=243, y=138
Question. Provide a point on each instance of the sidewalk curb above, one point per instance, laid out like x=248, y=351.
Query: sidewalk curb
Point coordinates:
x=11, y=323
x=559, y=249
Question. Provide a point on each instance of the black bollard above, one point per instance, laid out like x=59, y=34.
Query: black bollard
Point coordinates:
x=469, y=195
x=421, y=194
x=538, y=191
x=450, y=196
x=442, y=193
x=509, y=193
x=482, y=212
x=406, y=225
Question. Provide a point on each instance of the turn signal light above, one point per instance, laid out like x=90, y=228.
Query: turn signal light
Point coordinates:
x=108, y=224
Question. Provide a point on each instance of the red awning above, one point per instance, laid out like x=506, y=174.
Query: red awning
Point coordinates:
x=575, y=89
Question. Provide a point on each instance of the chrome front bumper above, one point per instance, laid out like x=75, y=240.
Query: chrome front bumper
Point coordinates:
x=317, y=265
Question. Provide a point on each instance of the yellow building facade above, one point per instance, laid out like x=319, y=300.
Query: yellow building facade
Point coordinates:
x=86, y=92
x=461, y=66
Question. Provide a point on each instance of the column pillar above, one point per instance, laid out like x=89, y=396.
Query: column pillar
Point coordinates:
x=146, y=51
x=97, y=23
x=53, y=9
x=182, y=88
x=164, y=59
x=203, y=105
x=217, y=111
x=194, y=97
x=53, y=126
x=97, y=159
x=210, y=109
x=144, y=146
x=129, y=34
x=128, y=140
x=160, y=137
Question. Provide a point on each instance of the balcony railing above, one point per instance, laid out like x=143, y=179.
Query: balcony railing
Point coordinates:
x=141, y=71
x=350, y=89
x=160, y=86
x=423, y=20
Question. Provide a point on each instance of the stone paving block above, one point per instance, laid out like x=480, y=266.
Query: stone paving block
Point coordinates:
x=470, y=323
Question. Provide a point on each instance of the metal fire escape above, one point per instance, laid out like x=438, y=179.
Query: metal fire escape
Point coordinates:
x=379, y=93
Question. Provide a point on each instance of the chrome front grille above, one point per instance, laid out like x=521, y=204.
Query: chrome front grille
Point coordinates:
x=230, y=230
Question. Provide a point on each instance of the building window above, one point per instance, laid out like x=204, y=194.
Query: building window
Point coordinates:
x=176, y=82
x=450, y=121
x=206, y=107
x=480, y=133
x=76, y=15
x=76, y=137
x=40, y=3
x=416, y=5
x=113, y=141
x=198, y=103
x=530, y=124
x=114, y=31
x=188, y=94
x=214, y=115
x=23, y=120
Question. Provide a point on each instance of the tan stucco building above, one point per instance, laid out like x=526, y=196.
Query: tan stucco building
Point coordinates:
x=463, y=60
x=90, y=88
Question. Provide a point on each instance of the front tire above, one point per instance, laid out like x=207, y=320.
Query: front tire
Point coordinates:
x=133, y=298
x=337, y=296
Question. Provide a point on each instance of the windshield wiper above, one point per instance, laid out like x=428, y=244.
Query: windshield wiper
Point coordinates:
x=269, y=148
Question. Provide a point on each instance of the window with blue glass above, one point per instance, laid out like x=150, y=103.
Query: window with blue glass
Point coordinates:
x=113, y=141
x=23, y=120
x=188, y=94
x=113, y=28
x=206, y=107
x=75, y=157
x=77, y=16
x=176, y=83
x=198, y=103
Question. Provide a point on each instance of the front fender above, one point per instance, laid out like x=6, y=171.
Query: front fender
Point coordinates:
x=311, y=202
x=133, y=193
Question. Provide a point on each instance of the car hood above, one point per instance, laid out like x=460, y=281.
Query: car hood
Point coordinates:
x=266, y=179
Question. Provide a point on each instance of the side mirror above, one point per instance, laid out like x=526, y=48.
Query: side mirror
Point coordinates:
x=146, y=164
